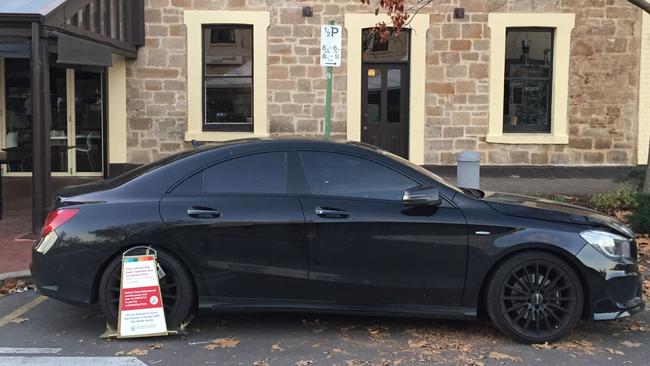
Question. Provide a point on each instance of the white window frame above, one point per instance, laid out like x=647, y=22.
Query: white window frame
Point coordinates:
x=194, y=21
x=562, y=23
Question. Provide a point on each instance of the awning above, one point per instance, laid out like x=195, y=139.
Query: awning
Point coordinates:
x=77, y=51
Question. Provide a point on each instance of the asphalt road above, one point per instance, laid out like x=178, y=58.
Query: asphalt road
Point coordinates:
x=39, y=331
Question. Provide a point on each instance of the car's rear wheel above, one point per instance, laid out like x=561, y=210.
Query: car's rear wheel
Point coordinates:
x=175, y=287
x=535, y=297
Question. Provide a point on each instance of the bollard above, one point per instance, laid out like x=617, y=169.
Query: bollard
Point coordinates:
x=468, y=169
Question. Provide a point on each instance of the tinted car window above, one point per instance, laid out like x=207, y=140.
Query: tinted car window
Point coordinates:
x=191, y=185
x=259, y=173
x=333, y=174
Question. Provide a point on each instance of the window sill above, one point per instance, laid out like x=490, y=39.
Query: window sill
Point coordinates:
x=221, y=136
x=527, y=138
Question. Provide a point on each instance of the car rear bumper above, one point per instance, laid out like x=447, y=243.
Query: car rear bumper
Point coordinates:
x=67, y=272
x=615, y=287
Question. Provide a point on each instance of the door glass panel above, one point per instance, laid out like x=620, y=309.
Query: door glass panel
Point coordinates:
x=18, y=104
x=59, y=129
x=331, y=174
x=394, y=99
x=260, y=173
x=373, y=106
x=89, y=116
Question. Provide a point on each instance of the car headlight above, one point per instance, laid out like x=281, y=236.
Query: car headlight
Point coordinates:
x=610, y=244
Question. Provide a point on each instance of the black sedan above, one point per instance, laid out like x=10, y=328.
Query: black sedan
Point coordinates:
x=310, y=225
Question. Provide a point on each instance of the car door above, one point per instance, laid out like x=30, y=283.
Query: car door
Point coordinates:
x=238, y=222
x=366, y=246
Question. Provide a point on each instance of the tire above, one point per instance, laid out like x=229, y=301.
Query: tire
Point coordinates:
x=535, y=297
x=176, y=288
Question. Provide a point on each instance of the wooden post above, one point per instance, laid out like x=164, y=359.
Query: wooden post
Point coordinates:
x=41, y=121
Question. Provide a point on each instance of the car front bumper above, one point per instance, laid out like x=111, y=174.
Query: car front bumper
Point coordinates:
x=615, y=287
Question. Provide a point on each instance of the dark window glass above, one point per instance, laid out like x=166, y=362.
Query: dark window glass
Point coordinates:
x=228, y=78
x=528, y=80
x=332, y=174
x=259, y=173
x=396, y=49
x=191, y=185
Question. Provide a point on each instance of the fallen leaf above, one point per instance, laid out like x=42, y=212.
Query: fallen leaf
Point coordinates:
x=502, y=356
x=119, y=353
x=222, y=343
x=304, y=362
x=155, y=346
x=636, y=327
x=544, y=345
x=19, y=320
x=138, y=352
x=614, y=351
x=277, y=347
x=261, y=363
x=417, y=344
x=630, y=344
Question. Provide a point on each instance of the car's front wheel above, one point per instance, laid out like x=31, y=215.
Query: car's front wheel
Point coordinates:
x=175, y=286
x=535, y=297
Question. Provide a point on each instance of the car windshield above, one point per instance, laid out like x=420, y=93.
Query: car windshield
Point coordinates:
x=422, y=170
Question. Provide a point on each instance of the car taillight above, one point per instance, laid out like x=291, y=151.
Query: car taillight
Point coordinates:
x=57, y=218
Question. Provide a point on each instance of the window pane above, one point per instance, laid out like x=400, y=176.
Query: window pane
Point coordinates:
x=260, y=173
x=373, y=108
x=332, y=174
x=528, y=80
x=229, y=102
x=394, y=103
x=228, y=50
x=395, y=50
x=228, y=78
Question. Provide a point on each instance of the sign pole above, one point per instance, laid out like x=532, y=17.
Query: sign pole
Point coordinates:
x=330, y=56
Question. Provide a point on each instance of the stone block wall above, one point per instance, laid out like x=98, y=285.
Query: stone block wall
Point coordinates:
x=603, y=84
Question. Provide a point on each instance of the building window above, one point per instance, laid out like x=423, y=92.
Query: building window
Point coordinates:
x=529, y=77
x=228, y=78
x=226, y=74
x=528, y=80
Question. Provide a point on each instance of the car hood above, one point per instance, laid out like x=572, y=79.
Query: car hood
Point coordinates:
x=544, y=209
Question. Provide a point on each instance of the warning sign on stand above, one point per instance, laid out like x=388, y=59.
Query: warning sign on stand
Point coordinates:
x=141, y=310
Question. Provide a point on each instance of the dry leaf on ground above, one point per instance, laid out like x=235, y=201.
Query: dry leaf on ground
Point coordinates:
x=222, y=343
x=614, y=351
x=630, y=344
x=138, y=352
x=277, y=347
x=304, y=362
x=417, y=344
x=502, y=356
x=19, y=320
x=119, y=353
x=261, y=363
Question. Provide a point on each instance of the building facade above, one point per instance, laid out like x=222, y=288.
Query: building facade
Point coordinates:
x=523, y=82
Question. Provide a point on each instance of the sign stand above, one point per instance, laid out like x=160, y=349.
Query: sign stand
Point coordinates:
x=141, y=312
x=330, y=45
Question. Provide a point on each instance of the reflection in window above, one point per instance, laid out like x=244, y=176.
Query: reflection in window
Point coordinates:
x=373, y=109
x=395, y=50
x=528, y=80
x=243, y=175
x=228, y=78
x=331, y=174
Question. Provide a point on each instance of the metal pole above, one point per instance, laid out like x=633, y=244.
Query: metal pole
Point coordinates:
x=328, y=99
x=41, y=117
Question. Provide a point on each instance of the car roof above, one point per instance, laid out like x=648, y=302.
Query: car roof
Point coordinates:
x=289, y=141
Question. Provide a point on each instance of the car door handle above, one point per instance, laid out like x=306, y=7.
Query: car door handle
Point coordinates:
x=203, y=213
x=331, y=212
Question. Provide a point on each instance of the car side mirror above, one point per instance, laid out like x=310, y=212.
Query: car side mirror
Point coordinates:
x=422, y=196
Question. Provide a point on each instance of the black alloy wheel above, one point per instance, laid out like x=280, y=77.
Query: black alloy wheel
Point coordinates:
x=175, y=287
x=535, y=297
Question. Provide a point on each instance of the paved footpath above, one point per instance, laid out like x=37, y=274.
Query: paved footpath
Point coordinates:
x=39, y=331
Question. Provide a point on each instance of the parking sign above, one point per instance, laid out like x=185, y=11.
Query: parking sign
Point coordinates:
x=330, y=45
